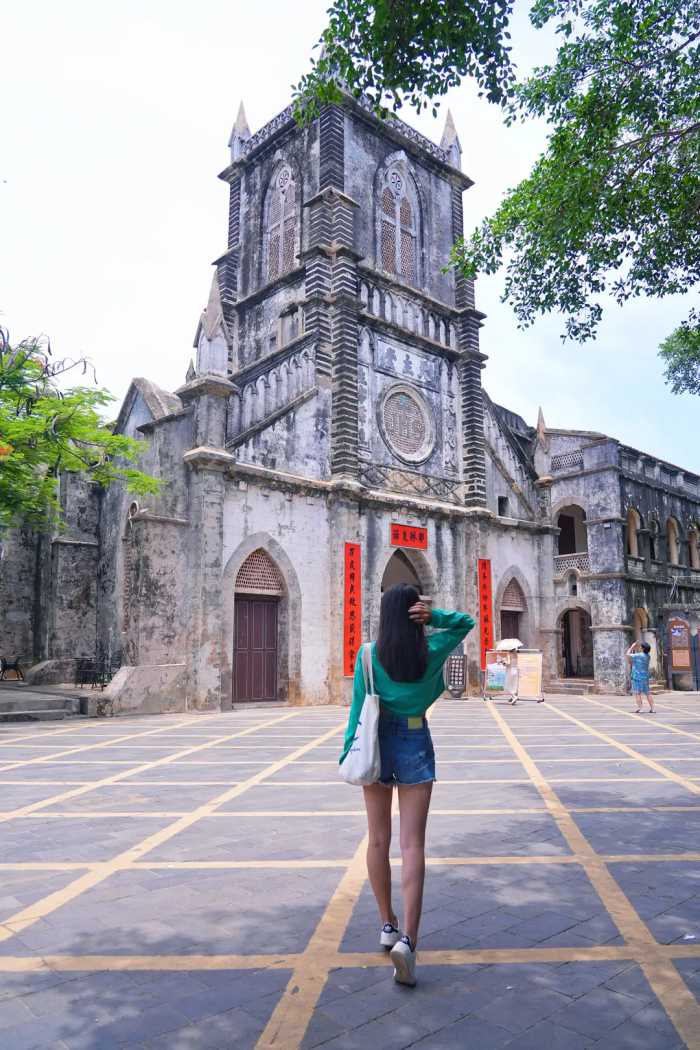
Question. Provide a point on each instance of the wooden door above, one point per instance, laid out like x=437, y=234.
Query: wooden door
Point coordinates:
x=255, y=649
x=510, y=624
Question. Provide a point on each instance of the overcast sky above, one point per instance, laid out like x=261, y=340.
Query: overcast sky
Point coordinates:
x=114, y=121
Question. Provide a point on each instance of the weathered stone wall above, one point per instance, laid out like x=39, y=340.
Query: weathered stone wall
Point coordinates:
x=506, y=474
x=368, y=151
x=18, y=567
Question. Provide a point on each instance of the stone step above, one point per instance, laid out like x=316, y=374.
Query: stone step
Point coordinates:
x=570, y=687
x=36, y=715
x=37, y=702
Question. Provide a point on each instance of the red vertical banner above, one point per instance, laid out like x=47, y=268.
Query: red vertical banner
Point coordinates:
x=352, y=607
x=485, y=609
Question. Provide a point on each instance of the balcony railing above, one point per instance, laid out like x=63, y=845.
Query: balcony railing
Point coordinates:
x=635, y=565
x=564, y=563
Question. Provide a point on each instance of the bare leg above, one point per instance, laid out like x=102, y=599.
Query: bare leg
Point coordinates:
x=638, y=701
x=378, y=806
x=414, y=802
x=649, y=701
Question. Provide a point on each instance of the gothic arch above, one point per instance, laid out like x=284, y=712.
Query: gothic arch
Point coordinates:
x=289, y=623
x=420, y=566
x=411, y=192
x=272, y=197
x=634, y=524
x=528, y=617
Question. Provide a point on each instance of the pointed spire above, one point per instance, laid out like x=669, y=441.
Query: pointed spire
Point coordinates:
x=450, y=141
x=191, y=374
x=240, y=133
x=213, y=316
x=541, y=428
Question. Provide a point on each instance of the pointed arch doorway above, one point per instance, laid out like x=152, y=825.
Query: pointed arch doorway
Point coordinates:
x=258, y=590
x=400, y=570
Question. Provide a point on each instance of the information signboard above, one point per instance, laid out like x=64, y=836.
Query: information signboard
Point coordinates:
x=529, y=674
x=679, y=637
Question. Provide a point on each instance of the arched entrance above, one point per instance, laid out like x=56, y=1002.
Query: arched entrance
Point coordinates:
x=400, y=570
x=640, y=622
x=513, y=610
x=577, y=644
x=259, y=588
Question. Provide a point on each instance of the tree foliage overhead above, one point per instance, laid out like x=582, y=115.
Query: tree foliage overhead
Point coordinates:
x=612, y=207
x=45, y=431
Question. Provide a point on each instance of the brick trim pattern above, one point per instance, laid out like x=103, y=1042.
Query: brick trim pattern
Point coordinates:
x=469, y=376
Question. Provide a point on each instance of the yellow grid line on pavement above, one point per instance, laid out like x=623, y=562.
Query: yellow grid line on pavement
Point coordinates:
x=97, y=874
x=119, y=779
x=341, y=907
x=669, y=774
x=663, y=977
x=5, y=768
x=437, y=811
x=342, y=862
x=109, y=782
x=285, y=961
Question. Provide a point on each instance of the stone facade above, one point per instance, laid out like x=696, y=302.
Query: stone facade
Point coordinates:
x=336, y=391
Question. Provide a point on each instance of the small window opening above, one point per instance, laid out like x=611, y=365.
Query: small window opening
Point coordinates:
x=503, y=508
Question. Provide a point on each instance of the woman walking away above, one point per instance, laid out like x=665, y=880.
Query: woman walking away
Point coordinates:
x=638, y=658
x=407, y=667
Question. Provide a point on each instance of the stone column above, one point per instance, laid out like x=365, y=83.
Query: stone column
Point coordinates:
x=332, y=295
x=549, y=634
x=470, y=366
x=208, y=462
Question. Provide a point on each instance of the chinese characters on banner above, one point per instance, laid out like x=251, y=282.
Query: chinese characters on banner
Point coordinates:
x=352, y=610
x=485, y=613
x=408, y=536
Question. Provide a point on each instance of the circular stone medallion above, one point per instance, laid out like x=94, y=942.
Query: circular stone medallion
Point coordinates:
x=406, y=423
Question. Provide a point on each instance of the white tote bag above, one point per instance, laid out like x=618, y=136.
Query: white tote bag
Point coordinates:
x=362, y=764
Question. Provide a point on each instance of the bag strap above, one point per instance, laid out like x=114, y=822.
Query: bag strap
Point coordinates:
x=367, y=668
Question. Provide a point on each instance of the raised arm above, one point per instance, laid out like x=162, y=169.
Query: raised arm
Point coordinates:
x=452, y=628
x=630, y=652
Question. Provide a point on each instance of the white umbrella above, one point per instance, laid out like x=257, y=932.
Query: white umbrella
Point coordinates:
x=507, y=645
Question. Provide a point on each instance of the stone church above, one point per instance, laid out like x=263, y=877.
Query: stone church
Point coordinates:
x=332, y=437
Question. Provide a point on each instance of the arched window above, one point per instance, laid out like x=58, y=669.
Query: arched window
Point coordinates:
x=573, y=535
x=259, y=575
x=634, y=523
x=398, y=229
x=513, y=611
x=281, y=223
x=694, y=552
x=672, y=545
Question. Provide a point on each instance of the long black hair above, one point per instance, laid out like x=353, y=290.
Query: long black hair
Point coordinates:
x=401, y=646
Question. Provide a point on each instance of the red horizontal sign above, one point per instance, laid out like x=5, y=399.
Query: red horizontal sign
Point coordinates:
x=408, y=536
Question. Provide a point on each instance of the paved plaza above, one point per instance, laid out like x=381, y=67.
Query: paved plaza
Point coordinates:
x=188, y=882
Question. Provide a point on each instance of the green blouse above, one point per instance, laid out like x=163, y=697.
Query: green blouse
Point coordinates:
x=410, y=699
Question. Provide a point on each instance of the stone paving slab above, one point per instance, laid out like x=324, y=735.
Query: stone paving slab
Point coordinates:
x=182, y=929
x=647, y=833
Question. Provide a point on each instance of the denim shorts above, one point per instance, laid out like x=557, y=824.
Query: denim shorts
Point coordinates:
x=406, y=750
